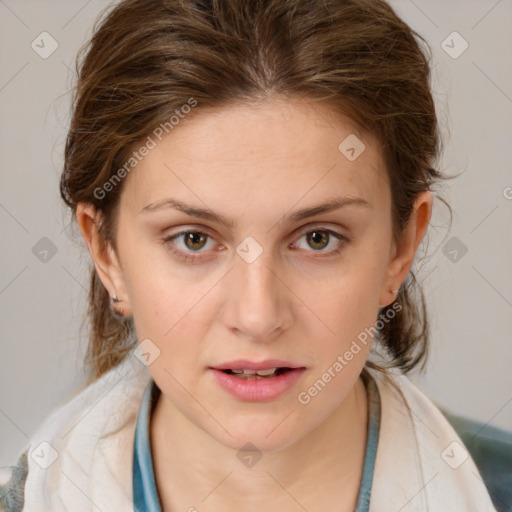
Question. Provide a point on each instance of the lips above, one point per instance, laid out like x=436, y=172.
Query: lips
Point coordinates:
x=257, y=381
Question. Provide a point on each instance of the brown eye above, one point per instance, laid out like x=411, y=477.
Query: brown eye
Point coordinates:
x=321, y=240
x=189, y=244
x=317, y=239
x=194, y=240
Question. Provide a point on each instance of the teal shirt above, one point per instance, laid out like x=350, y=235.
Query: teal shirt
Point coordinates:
x=145, y=496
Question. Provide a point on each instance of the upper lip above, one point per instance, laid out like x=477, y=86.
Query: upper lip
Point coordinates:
x=244, y=364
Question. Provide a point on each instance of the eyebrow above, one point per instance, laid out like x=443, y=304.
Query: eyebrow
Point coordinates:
x=205, y=213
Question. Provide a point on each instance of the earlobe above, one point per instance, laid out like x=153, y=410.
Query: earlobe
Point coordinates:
x=405, y=249
x=103, y=255
x=394, y=292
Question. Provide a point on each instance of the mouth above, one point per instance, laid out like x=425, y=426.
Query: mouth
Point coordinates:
x=257, y=382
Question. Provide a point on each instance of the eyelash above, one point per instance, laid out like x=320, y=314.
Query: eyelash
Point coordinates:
x=187, y=258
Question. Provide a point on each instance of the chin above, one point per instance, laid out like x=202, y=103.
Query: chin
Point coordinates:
x=264, y=435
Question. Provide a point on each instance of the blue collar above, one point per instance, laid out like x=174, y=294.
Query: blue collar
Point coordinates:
x=145, y=495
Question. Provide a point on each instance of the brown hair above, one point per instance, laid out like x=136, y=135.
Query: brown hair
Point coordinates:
x=148, y=58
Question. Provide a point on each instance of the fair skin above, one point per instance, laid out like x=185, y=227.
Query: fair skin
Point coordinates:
x=299, y=300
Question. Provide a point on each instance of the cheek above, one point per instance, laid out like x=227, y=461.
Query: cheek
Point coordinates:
x=163, y=313
x=169, y=307
x=342, y=352
x=153, y=291
x=348, y=303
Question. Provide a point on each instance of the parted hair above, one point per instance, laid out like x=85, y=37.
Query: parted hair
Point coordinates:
x=146, y=59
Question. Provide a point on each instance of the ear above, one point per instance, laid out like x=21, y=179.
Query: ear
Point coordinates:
x=403, y=252
x=104, y=256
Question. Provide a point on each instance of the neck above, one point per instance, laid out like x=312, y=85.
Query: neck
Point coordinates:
x=191, y=466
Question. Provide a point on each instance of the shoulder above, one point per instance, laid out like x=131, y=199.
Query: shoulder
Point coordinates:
x=12, y=485
x=102, y=403
x=88, y=435
x=491, y=449
x=425, y=452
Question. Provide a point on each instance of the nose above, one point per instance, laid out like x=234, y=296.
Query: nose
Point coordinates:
x=257, y=300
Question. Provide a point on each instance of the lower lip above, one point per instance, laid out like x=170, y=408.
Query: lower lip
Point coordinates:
x=258, y=390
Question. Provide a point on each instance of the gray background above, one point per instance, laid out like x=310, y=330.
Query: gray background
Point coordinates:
x=470, y=295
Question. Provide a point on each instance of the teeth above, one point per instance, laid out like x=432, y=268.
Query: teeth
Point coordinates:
x=254, y=373
x=266, y=372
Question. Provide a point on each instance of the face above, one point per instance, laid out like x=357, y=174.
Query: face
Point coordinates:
x=261, y=275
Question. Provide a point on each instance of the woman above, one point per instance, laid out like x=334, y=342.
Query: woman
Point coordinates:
x=252, y=180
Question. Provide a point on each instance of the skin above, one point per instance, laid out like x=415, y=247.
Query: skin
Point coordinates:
x=297, y=301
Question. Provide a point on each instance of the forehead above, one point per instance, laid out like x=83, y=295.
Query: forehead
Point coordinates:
x=279, y=149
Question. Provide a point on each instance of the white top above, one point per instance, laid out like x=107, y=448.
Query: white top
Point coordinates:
x=81, y=458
